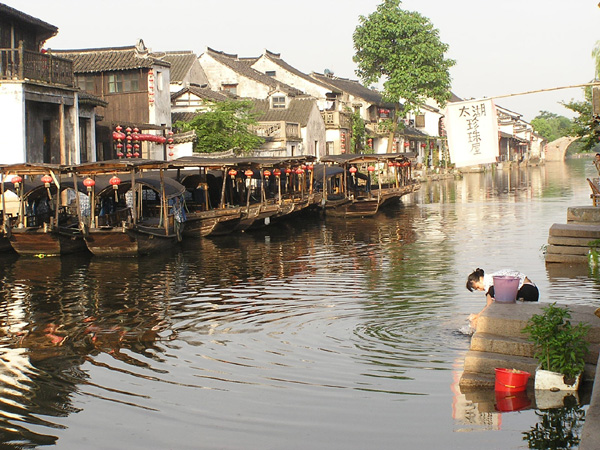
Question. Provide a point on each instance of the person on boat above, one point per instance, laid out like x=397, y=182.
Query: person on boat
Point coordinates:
x=480, y=281
x=596, y=162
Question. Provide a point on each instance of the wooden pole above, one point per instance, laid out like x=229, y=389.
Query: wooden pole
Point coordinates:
x=4, y=228
x=223, y=186
x=77, y=203
x=164, y=205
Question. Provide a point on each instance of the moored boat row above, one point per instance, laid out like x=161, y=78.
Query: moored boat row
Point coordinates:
x=130, y=207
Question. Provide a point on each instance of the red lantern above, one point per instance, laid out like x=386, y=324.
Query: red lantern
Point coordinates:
x=423, y=145
x=431, y=145
x=276, y=172
x=47, y=180
x=288, y=171
x=171, y=154
x=232, y=173
x=16, y=180
x=371, y=169
x=267, y=173
x=310, y=167
x=115, y=181
x=118, y=128
x=136, y=154
x=89, y=183
x=406, y=143
x=299, y=171
x=390, y=163
x=248, y=173
x=353, y=170
x=128, y=129
x=136, y=129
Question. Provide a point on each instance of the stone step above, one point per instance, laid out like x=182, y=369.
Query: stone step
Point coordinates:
x=566, y=259
x=584, y=214
x=484, y=342
x=567, y=250
x=575, y=230
x=571, y=241
x=508, y=319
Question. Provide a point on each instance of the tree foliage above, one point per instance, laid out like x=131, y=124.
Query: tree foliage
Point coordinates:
x=584, y=125
x=404, y=49
x=551, y=126
x=225, y=126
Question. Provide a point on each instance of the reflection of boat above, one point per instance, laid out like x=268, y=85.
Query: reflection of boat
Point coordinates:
x=348, y=192
x=45, y=224
x=137, y=216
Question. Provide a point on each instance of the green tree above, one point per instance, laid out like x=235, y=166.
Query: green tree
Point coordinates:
x=225, y=126
x=357, y=143
x=404, y=49
x=584, y=125
x=551, y=126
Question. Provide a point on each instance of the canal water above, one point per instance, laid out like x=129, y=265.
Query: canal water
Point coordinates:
x=310, y=334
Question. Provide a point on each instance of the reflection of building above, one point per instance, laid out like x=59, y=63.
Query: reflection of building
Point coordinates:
x=473, y=411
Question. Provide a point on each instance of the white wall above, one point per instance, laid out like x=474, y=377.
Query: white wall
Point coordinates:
x=12, y=123
x=219, y=74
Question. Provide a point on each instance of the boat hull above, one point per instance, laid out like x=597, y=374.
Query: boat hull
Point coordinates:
x=211, y=223
x=39, y=241
x=129, y=241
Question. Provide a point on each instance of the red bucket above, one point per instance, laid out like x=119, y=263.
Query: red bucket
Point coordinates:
x=511, y=380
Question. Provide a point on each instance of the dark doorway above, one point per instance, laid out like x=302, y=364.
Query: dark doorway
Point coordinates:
x=47, y=148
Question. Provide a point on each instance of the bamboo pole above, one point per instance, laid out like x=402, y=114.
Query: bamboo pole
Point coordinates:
x=77, y=203
x=223, y=186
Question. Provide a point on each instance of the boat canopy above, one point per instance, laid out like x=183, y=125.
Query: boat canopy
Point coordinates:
x=348, y=158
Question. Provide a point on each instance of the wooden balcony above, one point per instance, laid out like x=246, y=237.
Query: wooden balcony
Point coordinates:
x=21, y=64
x=336, y=119
x=281, y=130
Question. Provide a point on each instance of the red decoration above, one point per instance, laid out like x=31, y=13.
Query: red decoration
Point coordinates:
x=89, y=182
x=267, y=173
x=47, y=180
x=423, y=145
x=248, y=173
x=232, y=173
x=16, y=180
x=118, y=128
x=371, y=169
x=276, y=172
x=310, y=167
x=288, y=171
x=115, y=181
x=353, y=170
x=406, y=143
x=299, y=171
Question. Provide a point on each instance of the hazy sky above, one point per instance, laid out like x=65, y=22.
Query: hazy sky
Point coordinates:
x=502, y=47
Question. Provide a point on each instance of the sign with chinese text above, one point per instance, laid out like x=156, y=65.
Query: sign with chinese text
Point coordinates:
x=472, y=129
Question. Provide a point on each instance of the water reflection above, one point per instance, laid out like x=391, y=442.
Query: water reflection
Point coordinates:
x=335, y=317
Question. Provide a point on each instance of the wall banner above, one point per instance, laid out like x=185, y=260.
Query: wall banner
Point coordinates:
x=472, y=129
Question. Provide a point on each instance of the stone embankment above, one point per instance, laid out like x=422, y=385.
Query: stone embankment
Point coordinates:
x=500, y=343
x=569, y=242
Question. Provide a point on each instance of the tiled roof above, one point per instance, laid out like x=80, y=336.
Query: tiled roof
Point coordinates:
x=181, y=62
x=183, y=116
x=276, y=58
x=242, y=67
x=203, y=92
x=85, y=98
x=352, y=87
x=47, y=30
x=298, y=111
x=110, y=59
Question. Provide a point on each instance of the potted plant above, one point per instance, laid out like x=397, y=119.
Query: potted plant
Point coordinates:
x=560, y=348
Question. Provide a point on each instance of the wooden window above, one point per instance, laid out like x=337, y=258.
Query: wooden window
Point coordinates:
x=85, y=83
x=278, y=102
x=123, y=82
x=420, y=120
x=231, y=88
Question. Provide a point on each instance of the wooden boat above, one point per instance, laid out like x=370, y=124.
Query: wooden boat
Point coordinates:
x=138, y=214
x=239, y=194
x=349, y=192
x=46, y=224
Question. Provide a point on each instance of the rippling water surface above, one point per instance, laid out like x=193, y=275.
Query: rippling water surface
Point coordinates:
x=317, y=333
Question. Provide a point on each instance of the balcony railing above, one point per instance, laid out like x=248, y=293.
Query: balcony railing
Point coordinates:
x=336, y=119
x=21, y=64
x=277, y=130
